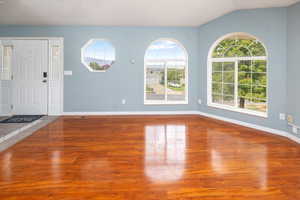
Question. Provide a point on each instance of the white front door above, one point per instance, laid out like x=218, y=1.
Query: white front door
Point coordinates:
x=29, y=84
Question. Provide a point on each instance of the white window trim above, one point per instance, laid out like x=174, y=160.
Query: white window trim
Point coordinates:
x=165, y=101
x=239, y=110
x=86, y=45
x=5, y=73
x=210, y=60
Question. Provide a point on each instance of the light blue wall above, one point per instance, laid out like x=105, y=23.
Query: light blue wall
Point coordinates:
x=93, y=92
x=293, y=70
x=86, y=91
x=269, y=25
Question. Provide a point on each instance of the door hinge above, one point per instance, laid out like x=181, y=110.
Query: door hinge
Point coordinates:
x=11, y=107
x=12, y=77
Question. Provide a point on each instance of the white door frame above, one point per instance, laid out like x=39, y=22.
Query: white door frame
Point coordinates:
x=55, y=93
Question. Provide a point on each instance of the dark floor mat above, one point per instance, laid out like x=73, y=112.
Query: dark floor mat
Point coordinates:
x=21, y=119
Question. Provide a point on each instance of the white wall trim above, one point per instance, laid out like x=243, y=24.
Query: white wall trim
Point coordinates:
x=132, y=113
x=253, y=126
x=56, y=78
x=233, y=121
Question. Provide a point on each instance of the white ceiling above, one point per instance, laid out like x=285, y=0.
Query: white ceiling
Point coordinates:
x=124, y=12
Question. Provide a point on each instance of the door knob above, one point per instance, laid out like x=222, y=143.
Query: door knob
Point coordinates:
x=44, y=81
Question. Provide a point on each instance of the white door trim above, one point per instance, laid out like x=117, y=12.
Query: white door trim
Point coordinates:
x=56, y=97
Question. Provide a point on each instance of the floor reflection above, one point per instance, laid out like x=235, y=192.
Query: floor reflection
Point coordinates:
x=243, y=156
x=55, y=163
x=165, y=152
x=6, y=166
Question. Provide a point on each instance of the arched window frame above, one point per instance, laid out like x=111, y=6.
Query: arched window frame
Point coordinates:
x=165, y=101
x=236, y=59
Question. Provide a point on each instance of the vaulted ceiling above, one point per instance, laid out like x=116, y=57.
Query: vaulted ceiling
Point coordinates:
x=124, y=12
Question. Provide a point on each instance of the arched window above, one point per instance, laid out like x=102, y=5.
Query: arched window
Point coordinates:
x=166, y=73
x=237, y=74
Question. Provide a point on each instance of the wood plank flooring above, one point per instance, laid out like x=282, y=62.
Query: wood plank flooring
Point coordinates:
x=150, y=158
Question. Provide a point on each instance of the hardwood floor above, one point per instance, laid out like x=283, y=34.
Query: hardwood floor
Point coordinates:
x=150, y=158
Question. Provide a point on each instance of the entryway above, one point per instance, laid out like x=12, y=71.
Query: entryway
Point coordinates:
x=31, y=76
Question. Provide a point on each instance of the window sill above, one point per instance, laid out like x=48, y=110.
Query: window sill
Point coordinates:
x=165, y=103
x=243, y=111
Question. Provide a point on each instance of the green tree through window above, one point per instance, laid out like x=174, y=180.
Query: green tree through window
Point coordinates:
x=239, y=73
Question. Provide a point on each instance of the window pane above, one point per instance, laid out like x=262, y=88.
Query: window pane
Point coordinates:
x=98, y=55
x=257, y=105
x=259, y=66
x=259, y=79
x=228, y=89
x=238, y=51
x=155, y=86
x=239, y=46
x=228, y=66
x=257, y=49
x=217, y=77
x=176, y=84
x=217, y=88
x=259, y=92
x=252, y=85
x=217, y=99
x=228, y=100
x=217, y=66
x=245, y=66
x=245, y=78
x=228, y=77
x=245, y=91
x=243, y=102
x=218, y=51
x=223, y=83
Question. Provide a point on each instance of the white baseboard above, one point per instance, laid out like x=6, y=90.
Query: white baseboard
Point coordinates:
x=254, y=126
x=133, y=113
x=5, y=115
x=241, y=123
